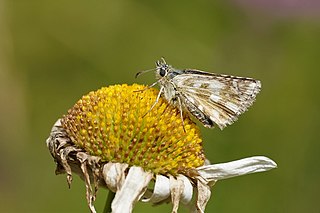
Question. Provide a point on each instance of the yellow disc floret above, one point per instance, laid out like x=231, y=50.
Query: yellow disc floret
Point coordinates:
x=116, y=124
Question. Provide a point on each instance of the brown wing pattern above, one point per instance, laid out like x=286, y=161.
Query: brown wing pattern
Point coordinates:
x=220, y=98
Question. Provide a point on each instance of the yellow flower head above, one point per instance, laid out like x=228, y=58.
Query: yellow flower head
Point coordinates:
x=115, y=123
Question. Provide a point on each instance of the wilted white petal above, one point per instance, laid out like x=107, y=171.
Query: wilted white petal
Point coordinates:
x=161, y=190
x=131, y=191
x=203, y=196
x=236, y=168
x=187, y=192
x=176, y=188
x=113, y=174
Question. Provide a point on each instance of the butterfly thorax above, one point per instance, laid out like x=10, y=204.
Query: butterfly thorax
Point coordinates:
x=165, y=73
x=169, y=90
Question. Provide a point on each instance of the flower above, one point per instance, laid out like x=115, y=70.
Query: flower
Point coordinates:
x=112, y=139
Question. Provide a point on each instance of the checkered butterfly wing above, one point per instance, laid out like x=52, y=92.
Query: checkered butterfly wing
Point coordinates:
x=214, y=98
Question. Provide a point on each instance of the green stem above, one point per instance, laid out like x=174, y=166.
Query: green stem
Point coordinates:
x=107, y=206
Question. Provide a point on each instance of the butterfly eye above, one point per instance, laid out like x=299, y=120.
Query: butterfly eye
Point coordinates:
x=162, y=72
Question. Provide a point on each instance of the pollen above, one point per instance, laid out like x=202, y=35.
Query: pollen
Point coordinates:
x=116, y=124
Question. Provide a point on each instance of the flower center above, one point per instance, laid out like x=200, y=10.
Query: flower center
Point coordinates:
x=115, y=124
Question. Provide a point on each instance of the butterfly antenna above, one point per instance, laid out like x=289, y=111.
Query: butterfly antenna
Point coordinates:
x=144, y=71
x=163, y=61
x=148, y=87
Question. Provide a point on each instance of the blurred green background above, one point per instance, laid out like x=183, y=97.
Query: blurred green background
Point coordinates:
x=53, y=52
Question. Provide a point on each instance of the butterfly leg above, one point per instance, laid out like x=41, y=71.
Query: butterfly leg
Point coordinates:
x=181, y=113
x=165, y=109
x=156, y=101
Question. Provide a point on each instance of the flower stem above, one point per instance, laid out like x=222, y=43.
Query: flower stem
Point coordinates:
x=107, y=206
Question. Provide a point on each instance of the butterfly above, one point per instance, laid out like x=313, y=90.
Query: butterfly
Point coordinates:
x=213, y=99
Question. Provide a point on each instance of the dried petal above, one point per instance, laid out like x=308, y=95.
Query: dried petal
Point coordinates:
x=236, y=168
x=176, y=188
x=131, y=191
x=114, y=175
x=204, y=194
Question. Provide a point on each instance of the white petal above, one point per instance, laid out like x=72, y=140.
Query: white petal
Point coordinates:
x=113, y=174
x=236, y=168
x=187, y=192
x=131, y=191
x=161, y=190
x=179, y=188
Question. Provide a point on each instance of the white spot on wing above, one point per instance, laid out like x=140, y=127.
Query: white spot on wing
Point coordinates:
x=215, y=98
x=214, y=84
x=215, y=115
x=235, y=84
x=219, y=119
x=233, y=107
x=252, y=85
x=197, y=85
x=191, y=100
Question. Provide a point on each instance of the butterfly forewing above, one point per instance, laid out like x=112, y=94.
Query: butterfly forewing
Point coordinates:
x=221, y=97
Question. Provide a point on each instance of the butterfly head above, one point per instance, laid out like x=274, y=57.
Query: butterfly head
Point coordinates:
x=162, y=68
